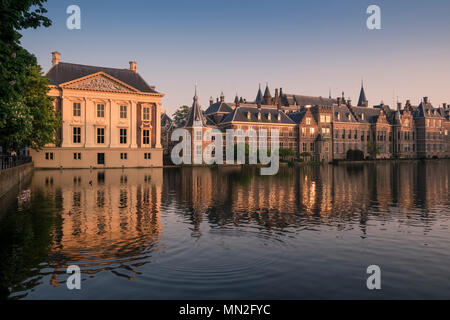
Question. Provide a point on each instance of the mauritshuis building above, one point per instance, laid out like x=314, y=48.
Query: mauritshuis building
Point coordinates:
x=326, y=128
x=111, y=118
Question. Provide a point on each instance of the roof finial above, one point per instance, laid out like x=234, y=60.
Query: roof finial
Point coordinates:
x=195, y=88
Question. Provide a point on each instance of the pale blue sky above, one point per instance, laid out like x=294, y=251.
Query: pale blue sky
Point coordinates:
x=305, y=47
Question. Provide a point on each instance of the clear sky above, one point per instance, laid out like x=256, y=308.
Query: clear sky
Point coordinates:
x=305, y=47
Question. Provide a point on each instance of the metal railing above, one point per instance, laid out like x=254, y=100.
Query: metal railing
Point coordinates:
x=7, y=162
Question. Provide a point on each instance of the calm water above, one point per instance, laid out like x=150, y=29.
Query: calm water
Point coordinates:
x=228, y=233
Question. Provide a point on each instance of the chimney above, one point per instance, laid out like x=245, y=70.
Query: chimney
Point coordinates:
x=56, y=57
x=211, y=100
x=399, y=106
x=425, y=99
x=222, y=97
x=339, y=100
x=349, y=102
x=444, y=105
x=133, y=66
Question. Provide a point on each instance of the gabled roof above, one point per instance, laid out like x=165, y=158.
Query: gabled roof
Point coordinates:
x=196, y=117
x=426, y=109
x=65, y=72
x=343, y=114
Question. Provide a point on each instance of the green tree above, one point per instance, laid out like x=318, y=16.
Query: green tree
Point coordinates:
x=355, y=155
x=305, y=155
x=181, y=115
x=26, y=114
x=286, y=152
x=373, y=149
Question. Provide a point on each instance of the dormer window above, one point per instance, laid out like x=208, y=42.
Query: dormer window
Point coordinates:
x=269, y=116
x=279, y=117
x=259, y=115
x=249, y=115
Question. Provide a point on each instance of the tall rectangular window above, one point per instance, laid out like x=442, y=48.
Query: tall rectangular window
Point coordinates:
x=77, y=109
x=123, y=136
x=198, y=135
x=146, y=137
x=76, y=135
x=100, y=110
x=146, y=114
x=100, y=135
x=123, y=112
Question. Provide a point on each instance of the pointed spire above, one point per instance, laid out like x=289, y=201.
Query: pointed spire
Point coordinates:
x=267, y=96
x=259, y=96
x=195, y=117
x=362, y=101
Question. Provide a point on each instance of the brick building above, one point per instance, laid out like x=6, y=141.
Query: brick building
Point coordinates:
x=324, y=129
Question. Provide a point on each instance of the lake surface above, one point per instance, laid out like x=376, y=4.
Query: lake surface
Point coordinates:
x=229, y=233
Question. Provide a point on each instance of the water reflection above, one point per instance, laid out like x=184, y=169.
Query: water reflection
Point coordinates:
x=117, y=222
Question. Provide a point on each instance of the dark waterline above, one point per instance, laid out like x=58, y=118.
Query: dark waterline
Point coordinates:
x=228, y=233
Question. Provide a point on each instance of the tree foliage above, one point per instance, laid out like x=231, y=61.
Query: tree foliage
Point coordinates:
x=26, y=112
x=286, y=152
x=373, y=149
x=181, y=115
x=355, y=155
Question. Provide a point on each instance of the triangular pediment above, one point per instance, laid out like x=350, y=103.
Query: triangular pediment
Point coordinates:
x=99, y=82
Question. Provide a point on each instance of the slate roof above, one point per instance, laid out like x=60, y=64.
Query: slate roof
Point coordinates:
x=302, y=100
x=220, y=107
x=196, y=115
x=259, y=96
x=64, y=72
x=370, y=114
x=343, y=111
x=362, y=97
x=297, y=117
x=241, y=114
x=166, y=120
x=426, y=109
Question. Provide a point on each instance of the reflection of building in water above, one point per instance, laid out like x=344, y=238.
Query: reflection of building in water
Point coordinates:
x=234, y=195
x=106, y=215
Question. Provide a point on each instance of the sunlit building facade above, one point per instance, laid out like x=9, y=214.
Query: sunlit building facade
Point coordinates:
x=110, y=118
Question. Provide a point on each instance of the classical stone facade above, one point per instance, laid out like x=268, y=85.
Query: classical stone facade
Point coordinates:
x=110, y=118
x=325, y=129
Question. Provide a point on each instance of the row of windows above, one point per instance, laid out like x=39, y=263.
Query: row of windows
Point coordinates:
x=77, y=156
x=123, y=138
x=101, y=111
x=435, y=135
